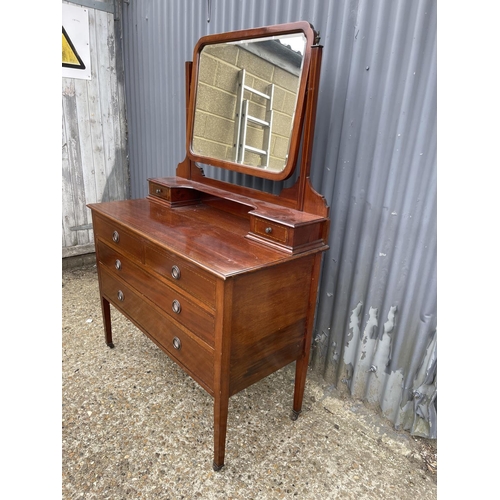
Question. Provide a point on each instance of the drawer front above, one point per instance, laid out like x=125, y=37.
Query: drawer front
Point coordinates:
x=176, y=304
x=197, y=360
x=118, y=238
x=178, y=271
x=173, y=195
x=159, y=191
x=270, y=231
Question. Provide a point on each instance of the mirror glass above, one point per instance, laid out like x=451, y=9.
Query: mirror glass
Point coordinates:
x=246, y=102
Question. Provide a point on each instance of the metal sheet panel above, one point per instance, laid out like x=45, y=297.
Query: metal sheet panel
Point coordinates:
x=374, y=160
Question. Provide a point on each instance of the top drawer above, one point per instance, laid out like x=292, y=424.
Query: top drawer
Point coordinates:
x=159, y=191
x=118, y=238
x=188, y=276
x=173, y=195
x=270, y=230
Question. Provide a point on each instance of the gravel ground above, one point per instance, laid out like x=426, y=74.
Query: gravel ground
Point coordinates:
x=136, y=426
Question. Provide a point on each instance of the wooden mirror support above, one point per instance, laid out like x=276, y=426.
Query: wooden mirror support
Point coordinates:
x=223, y=278
x=246, y=99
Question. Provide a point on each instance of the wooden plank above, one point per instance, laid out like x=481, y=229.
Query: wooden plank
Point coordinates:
x=86, y=154
x=78, y=250
x=68, y=239
x=73, y=178
x=94, y=162
x=94, y=100
x=105, y=94
x=118, y=115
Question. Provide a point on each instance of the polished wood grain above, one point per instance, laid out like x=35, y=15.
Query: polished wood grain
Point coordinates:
x=198, y=283
x=193, y=356
x=309, y=125
x=242, y=299
x=223, y=278
x=174, y=197
x=221, y=370
x=285, y=228
x=119, y=237
x=191, y=313
x=269, y=319
x=303, y=360
x=212, y=240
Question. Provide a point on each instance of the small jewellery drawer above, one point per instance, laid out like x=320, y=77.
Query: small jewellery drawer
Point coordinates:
x=177, y=305
x=114, y=235
x=196, y=359
x=270, y=230
x=173, y=195
x=189, y=277
x=159, y=191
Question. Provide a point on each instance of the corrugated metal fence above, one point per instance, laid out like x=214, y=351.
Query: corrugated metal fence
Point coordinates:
x=374, y=160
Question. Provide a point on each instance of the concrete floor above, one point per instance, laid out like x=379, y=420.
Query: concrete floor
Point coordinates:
x=135, y=426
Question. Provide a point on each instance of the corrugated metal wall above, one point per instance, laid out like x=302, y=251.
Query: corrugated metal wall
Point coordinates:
x=94, y=141
x=374, y=160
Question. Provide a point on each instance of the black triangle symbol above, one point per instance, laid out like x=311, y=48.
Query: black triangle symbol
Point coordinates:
x=80, y=64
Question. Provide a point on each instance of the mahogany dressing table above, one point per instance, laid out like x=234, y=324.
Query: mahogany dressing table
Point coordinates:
x=224, y=278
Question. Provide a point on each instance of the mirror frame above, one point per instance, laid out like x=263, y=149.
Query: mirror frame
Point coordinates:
x=296, y=132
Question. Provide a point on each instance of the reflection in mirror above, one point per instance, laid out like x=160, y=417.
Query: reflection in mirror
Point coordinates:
x=246, y=100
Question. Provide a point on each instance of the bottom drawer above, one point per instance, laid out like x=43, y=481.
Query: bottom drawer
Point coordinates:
x=196, y=360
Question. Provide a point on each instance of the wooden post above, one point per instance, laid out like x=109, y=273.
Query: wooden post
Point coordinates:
x=309, y=122
x=303, y=362
x=224, y=299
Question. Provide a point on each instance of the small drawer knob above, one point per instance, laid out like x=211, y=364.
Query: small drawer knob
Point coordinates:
x=177, y=343
x=116, y=236
x=118, y=264
x=269, y=230
x=120, y=295
x=176, y=306
x=176, y=273
x=159, y=191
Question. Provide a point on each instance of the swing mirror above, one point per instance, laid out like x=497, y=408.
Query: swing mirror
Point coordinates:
x=247, y=98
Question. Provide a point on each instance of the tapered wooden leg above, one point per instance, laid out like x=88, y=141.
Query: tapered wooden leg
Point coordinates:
x=300, y=384
x=302, y=363
x=221, y=406
x=106, y=316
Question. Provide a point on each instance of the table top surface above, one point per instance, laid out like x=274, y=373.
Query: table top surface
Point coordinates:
x=207, y=236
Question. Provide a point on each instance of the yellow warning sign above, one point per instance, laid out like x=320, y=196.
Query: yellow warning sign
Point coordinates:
x=70, y=57
x=76, y=62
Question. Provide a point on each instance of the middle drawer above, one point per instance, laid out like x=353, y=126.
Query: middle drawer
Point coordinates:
x=176, y=304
